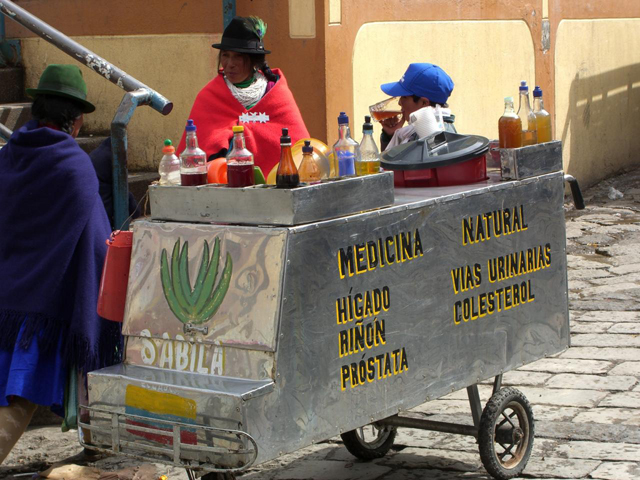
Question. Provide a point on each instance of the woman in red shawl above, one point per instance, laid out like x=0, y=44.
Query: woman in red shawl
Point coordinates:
x=246, y=92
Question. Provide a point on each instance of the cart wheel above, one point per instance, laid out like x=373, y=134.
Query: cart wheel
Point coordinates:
x=506, y=433
x=370, y=441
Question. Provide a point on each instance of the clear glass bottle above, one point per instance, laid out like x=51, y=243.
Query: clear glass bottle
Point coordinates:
x=346, y=148
x=287, y=173
x=527, y=117
x=169, y=168
x=239, y=161
x=368, y=156
x=309, y=170
x=509, y=126
x=543, y=119
x=193, y=161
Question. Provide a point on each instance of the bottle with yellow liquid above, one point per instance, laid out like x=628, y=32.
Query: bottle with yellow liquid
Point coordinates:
x=543, y=119
x=527, y=117
x=368, y=157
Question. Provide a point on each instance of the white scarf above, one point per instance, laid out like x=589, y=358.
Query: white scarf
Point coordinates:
x=253, y=93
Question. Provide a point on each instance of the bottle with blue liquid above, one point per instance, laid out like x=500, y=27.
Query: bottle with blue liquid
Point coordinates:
x=346, y=149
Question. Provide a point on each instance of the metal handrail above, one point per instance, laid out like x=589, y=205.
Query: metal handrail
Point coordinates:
x=137, y=94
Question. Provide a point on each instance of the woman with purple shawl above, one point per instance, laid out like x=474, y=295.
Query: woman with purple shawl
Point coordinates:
x=53, y=228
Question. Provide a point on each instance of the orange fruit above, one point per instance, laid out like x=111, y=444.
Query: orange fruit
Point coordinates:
x=217, y=171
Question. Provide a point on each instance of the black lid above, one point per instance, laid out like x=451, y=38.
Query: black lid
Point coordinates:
x=367, y=126
x=285, y=138
x=307, y=147
x=446, y=148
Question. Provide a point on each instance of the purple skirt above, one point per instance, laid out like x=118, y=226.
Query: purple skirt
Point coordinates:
x=39, y=378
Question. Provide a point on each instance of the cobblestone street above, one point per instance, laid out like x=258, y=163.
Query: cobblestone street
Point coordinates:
x=586, y=400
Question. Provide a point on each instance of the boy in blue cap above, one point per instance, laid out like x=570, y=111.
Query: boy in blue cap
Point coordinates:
x=422, y=85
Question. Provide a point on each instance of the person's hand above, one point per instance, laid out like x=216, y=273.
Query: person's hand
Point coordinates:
x=390, y=125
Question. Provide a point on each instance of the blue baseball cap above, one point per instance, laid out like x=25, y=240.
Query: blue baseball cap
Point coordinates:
x=424, y=80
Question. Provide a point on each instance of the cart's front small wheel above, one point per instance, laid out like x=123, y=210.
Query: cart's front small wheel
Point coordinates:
x=506, y=433
x=369, y=442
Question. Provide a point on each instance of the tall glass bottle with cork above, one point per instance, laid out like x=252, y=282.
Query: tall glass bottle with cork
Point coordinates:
x=543, y=119
x=193, y=161
x=287, y=173
x=527, y=117
x=346, y=148
x=239, y=161
x=368, y=156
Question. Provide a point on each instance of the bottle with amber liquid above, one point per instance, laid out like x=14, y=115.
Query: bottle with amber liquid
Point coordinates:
x=509, y=126
x=193, y=161
x=309, y=170
x=543, y=119
x=527, y=117
x=239, y=161
x=287, y=173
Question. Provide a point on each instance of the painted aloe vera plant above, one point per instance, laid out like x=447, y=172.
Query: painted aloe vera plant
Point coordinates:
x=199, y=303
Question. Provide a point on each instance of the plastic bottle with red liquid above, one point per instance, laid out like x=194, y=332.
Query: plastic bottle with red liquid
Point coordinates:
x=193, y=161
x=239, y=161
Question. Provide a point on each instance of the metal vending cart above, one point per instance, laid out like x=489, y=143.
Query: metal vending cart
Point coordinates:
x=259, y=321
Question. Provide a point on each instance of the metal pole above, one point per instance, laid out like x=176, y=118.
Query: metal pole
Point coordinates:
x=119, y=124
x=424, y=424
x=83, y=55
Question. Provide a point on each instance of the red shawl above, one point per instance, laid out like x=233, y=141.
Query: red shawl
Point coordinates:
x=216, y=111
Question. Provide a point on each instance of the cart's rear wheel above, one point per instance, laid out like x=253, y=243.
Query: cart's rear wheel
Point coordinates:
x=506, y=433
x=369, y=442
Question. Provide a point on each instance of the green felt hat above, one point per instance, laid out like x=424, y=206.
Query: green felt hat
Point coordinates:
x=64, y=81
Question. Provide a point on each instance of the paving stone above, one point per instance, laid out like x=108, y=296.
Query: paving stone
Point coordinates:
x=593, y=432
x=607, y=353
x=592, y=382
x=411, y=437
x=618, y=250
x=590, y=327
x=327, y=470
x=603, y=290
x=595, y=239
x=431, y=458
x=589, y=274
x=627, y=368
x=608, y=304
x=517, y=378
x=563, y=397
x=624, y=269
x=578, y=285
x=627, y=278
x=625, y=416
x=606, y=316
x=606, y=340
x=617, y=471
x=632, y=328
x=580, y=262
x=548, y=413
x=621, y=260
x=637, y=388
x=599, y=451
x=567, y=365
x=546, y=467
x=622, y=400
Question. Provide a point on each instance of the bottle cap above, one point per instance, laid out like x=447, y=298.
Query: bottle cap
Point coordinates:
x=523, y=86
x=508, y=99
x=285, y=138
x=168, y=147
x=368, y=126
x=537, y=92
x=190, y=126
x=343, y=118
x=307, y=147
x=237, y=129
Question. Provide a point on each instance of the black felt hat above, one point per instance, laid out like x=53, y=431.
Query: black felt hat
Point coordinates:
x=244, y=35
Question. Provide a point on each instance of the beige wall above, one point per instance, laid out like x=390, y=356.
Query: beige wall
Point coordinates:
x=598, y=96
x=486, y=61
x=177, y=66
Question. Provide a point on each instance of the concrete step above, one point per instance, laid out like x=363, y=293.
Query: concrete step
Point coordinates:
x=15, y=115
x=11, y=85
